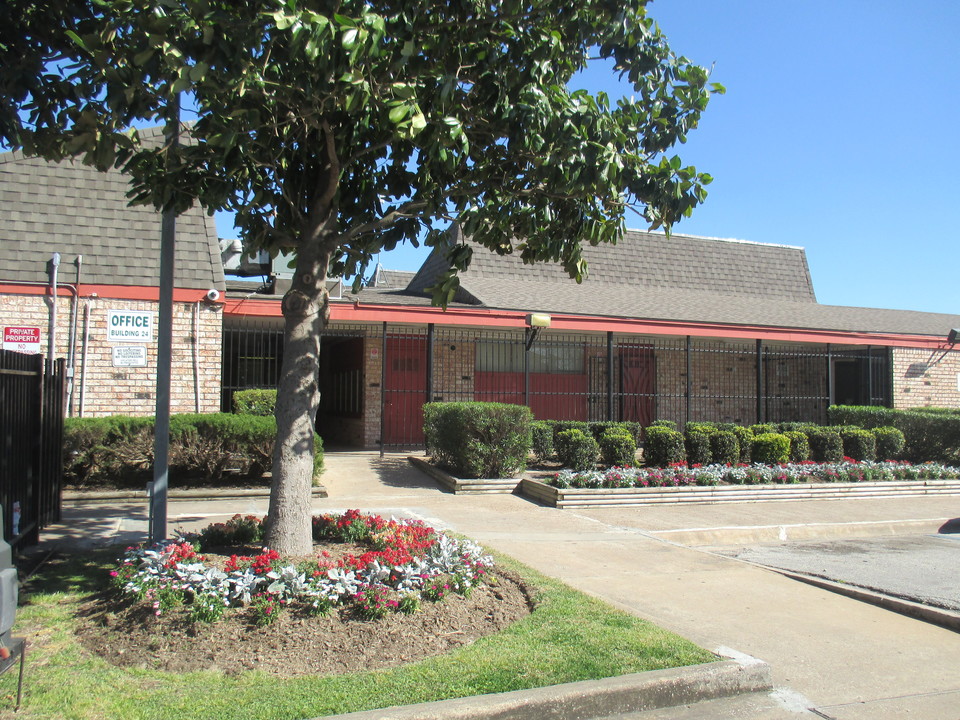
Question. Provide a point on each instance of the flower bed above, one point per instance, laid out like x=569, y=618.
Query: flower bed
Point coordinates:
x=403, y=562
x=679, y=475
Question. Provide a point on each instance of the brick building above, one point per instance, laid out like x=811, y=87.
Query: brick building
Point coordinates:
x=681, y=328
x=107, y=294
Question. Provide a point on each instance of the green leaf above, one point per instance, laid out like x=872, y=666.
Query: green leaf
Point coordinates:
x=349, y=39
x=399, y=114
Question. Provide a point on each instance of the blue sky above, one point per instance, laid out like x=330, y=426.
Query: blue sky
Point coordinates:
x=839, y=132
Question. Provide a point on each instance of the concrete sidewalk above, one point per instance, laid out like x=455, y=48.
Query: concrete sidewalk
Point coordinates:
x=846, y=659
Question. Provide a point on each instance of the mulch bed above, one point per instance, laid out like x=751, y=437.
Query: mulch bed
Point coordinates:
x=128, y=634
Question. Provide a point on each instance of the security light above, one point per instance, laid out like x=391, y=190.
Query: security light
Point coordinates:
x=953, y=336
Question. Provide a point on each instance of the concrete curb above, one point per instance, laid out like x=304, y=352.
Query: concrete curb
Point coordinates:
x=83, y=497
x=595, y=698
x=936, y=616
x=472, y=486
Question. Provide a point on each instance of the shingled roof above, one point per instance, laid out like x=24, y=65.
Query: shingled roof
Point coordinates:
x=650, y=276
x=73, y=209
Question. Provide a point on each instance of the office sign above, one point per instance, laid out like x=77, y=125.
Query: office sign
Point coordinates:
x=129, y=326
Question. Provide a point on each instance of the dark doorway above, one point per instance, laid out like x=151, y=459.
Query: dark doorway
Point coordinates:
x=851, y=382
x=340, y=417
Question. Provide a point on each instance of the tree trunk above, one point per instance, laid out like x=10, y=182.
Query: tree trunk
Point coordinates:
x=305, y=313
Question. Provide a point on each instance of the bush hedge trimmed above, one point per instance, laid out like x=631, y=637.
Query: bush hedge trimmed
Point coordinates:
x=577, y=450
x=212, y=448
x=930, y=434
x=826, y=445
x=799, y=445
x=770, y=448
x=725, y=448
x=541, y=438
x=478, y=439
x=618, y=448
x=663, y=446
x=258, y=401
x=890, y=443
x=858, y=444
x=697, y=444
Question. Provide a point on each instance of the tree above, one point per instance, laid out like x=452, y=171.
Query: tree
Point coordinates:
x=340, y=129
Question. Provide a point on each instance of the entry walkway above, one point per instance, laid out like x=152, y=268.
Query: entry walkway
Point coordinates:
x=848, y=660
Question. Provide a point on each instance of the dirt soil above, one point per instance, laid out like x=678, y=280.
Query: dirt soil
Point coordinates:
x=297, y=643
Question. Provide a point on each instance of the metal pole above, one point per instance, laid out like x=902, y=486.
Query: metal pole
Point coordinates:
x=526, y=371
x=161, y=441
x=51, y=340
x=430, y=327
x=610, y=377
x=869, y=374
x=689, y=392
x=759, y=381
x=830, y=394
x=383, y=383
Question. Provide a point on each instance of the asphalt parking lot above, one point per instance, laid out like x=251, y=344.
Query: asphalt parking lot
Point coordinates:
x=920, y=568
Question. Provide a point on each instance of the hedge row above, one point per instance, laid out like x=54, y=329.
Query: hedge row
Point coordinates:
x=704, y=443
x=931, y=434
x=212, y=448
x=478, y=439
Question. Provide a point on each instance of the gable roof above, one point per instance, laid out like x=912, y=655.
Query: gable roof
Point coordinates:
x=647, y=261
x=682, y=278
x=73, y=209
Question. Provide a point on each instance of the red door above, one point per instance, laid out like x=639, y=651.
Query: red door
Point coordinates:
x=637, y=373
x=405, y=390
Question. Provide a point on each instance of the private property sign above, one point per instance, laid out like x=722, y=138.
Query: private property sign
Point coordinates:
x=22, y=339
x=129, y=326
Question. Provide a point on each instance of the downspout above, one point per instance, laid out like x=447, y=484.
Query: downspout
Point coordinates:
x=196, y=356
x=83, y=355
x=72, y=350
x=51, y=340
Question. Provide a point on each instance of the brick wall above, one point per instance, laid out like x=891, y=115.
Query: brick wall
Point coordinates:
x=925, y=378
x=110, y=390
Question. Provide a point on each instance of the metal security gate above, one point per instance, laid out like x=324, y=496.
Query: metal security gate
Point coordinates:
x=375, y=379
x=31, y=444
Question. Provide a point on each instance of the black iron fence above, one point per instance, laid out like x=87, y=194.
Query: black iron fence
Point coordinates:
x=377, y=377
x=31, y=444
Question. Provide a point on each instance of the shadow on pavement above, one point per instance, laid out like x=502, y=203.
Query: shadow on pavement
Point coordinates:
x=950, y=527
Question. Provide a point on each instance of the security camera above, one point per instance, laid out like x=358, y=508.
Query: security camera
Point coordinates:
x=213, y=295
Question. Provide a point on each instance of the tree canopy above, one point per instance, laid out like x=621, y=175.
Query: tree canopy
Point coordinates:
x=340, y=129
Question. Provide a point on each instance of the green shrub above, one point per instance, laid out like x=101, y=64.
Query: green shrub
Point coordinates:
x=826, y=444
x=669, y=424
x=745, y=440
x=577, y=450
x=478, y=439
x=259, y=401
x=763, y=428
x=930, y=434
x=663, y=446
x=210, y=448
x=799, y=446
x=700, y=427
x=770, y=448
x=634, y=429
x=617, y=447
x=890, y=443
x=725, y=447
x=697, y=445
x=541, y=438
x=560, y=425
x=858, y=444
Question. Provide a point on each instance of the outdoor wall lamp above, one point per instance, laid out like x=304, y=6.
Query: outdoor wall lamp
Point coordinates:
x=535, y=323
x=953, y=336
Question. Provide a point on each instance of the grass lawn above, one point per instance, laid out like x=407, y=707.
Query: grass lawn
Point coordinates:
x=569, y=637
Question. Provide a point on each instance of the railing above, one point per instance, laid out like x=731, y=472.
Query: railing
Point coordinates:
x=31, y=444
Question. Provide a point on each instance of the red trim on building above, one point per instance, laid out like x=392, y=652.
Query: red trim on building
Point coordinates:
x=360, y=312
x=112, y=292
